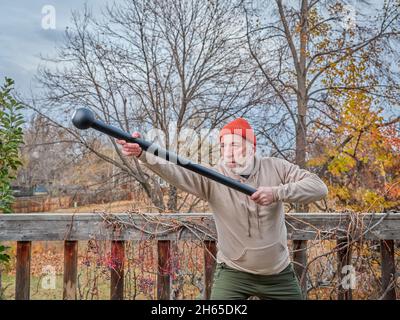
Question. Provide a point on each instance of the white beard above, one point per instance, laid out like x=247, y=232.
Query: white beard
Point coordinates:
x=244, y=169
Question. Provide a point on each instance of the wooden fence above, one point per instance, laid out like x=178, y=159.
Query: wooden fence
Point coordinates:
x=118, y=228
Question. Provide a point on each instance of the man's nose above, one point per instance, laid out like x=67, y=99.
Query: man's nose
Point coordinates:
x=228, y=151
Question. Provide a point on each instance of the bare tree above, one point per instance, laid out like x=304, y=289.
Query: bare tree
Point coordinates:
x=153, y=64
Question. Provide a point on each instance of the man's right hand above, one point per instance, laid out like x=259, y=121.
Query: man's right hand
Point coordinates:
x=131, y=149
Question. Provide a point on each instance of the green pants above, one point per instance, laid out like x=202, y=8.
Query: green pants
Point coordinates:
x=232, y=284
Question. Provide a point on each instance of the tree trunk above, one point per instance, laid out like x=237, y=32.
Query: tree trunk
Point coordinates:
x=154, y=194
x=301, y=139
x=301, y=130
x=172, y=199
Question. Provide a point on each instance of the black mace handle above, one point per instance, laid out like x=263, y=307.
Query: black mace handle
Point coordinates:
x=84, y=118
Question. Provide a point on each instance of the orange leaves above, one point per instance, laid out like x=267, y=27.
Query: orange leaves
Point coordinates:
x=393, y=190
x=392, y=136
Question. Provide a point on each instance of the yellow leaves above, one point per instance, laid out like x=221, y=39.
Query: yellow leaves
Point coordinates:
x=361, y=154
x=297, y=29
x=348, y=71
x=374, y=201
x=317, y=161
x=339, y=191
x=383, y=160
x=316, y=27
x=359, y=200
x=322, y=45
x=341, y=164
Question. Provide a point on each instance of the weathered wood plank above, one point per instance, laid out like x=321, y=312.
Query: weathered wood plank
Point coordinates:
x=210, y=253
x=388, y=269
x=24, y=227
x=163, y=274
x=70, y=269
x=117, y=270
x=309, y=226
x=23, y=270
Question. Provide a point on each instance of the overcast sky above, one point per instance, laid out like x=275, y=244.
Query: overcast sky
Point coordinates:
x=23, y=37
x=26, y=33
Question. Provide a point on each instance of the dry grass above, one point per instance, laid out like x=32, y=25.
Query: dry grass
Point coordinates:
x=117, y=206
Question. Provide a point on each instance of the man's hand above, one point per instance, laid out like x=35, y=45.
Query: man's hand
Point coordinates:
x=263, y=196
x=131, y=149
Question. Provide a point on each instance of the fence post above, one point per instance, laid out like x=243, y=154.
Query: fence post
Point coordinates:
x=344, y=259
x=117, y=270
x=300, y=263
x=210, y=251
x=163, y=274
x=23, y=270
x=70, y=269
x=388, y=269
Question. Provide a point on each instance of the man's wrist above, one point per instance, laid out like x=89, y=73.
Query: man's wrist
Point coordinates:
x=275, y=193
x=142, y=156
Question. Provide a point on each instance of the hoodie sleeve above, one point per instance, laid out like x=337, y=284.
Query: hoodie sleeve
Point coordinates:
x=298, y=185
x=180, y=177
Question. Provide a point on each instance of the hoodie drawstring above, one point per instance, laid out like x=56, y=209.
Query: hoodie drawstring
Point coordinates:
x=248, y=222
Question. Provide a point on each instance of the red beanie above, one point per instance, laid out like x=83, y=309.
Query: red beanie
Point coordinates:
x=240, y=127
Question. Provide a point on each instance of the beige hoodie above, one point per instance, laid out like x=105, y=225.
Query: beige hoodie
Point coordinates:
x=251, y=238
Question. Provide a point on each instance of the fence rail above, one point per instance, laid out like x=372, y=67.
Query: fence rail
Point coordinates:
x=118, y=228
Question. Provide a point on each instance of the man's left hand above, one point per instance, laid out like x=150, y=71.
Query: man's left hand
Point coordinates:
x=263, y=196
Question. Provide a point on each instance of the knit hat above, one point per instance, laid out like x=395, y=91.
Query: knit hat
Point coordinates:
x=240, y=127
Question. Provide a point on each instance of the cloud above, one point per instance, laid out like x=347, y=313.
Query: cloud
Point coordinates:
x=24, y=40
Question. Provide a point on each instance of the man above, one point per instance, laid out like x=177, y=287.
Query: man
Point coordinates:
x=253, y=256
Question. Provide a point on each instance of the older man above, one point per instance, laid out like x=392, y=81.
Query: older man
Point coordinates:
x=253, y=256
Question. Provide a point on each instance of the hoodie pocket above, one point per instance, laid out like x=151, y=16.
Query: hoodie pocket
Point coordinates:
x=267, y=257
x=230, y=252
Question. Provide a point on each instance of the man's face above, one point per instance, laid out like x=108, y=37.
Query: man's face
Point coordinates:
x=236, y=151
